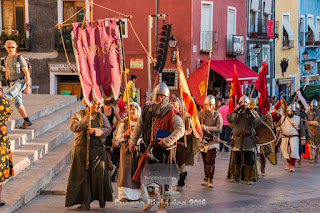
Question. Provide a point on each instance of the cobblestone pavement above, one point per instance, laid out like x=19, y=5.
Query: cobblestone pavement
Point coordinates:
x=278, y=191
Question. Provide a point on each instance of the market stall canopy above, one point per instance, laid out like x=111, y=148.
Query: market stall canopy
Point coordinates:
x=311, y=91
x=225, y=69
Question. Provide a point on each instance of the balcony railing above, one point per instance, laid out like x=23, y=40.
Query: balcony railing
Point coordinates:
x=206, y=37
x=260, y=29
x=310, y=41
x=66, y=34
x=235, y=45
x=18, y=36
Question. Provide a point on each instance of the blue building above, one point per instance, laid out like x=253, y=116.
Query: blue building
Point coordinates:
x=309, y=42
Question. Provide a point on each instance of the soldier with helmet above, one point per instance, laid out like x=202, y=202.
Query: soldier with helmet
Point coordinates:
x=157, y=163
x=313, y=121
x=304, y=119
x=244, y=121
x=265, y=149
x=292, y=130
x=211, y=123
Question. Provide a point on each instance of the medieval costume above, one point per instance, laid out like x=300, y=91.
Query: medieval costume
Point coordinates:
x=157, y=165
x=93, y=183
x=304, y=119
x=211, y=122
x=265, y=149
x=128, y=189
x=313, y=121
x=187, y=146
x=245, y=121
x=292, y=130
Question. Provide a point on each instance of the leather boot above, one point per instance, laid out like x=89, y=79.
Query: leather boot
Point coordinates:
x=263, y=165
x=210, y=175
x=311, y=151
x=316, y=155
x=181, y=182
x=206, y=172
x=250, y=173
x=151, y=193
x=236, y=176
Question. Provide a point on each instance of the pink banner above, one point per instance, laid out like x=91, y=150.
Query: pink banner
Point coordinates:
x=97, y=54
x=270, y=28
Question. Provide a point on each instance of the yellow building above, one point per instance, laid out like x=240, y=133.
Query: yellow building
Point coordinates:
x=287, y=49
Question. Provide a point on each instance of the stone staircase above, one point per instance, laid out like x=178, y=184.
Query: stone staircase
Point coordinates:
x=42, y=150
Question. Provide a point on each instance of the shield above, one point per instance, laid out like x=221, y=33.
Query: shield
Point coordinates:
x=272, y=157
x=264, y=134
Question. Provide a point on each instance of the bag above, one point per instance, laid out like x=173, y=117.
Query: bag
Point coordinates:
x=27, y=60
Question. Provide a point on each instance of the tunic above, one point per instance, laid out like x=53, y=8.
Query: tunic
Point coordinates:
x=290, y=136
x=314, y=130
x=85, y=186
x=210, y=119
x=127, y=188
x=6, y=166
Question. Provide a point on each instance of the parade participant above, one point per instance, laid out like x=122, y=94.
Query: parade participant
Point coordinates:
x=226, y=129
x=18, y=79
x=304, y=119
x=93, y=183
x=131, y=88
x=313, y=120
x=265, y=149
x=185, y=149
x=244, y=120
x=276, y=116
x=211, y=123
x=157, y=163
x=291, y=128
x=128, y=189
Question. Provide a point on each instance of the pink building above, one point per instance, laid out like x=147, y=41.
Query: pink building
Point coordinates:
x=194, y=24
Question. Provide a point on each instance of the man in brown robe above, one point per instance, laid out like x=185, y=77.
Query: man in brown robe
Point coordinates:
x=88, y=184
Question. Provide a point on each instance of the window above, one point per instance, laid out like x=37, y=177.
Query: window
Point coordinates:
x=170, y=77
x=267, y=4
x=253, y=23
x=253, y=58
x=313, y=34
x=124, y=29
x=302, y=37
x=13, y=17
x=70, y=8
x=287, y=33
x=231, y=27
x=206, y=33
x=265, y=51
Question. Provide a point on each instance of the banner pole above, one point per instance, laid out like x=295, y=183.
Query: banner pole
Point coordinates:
x=209, y=68
x=254, y=86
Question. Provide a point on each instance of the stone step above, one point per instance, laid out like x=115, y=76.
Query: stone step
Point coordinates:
x=38, y=106
x=22, y=188
x=19, y=137
x=38, y=147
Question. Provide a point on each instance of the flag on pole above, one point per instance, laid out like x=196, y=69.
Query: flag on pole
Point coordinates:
x=261, y=85
x=235, y=90
x=190, y=106
x=198, y=82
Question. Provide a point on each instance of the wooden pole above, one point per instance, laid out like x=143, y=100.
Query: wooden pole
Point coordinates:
x=91, y=10
x=209, y=69
x=88, y=142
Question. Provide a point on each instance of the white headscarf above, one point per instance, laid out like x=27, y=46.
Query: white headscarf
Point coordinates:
x=132, y=103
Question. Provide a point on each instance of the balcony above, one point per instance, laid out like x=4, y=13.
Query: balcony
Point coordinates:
x=18, y=36
x=66, y=34
x=206, y=37
x=310, y=41
x=260, y=29
x=235, y=45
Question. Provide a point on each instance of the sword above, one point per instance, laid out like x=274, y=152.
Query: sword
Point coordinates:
x=219, y=141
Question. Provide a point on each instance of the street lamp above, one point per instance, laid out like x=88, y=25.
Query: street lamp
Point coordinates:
x=172, y=45
x=257, y=49
x=305, y=55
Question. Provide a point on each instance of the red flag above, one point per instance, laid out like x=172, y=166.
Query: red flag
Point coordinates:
x=198, y=82
x=261, y=85
x=235, y=90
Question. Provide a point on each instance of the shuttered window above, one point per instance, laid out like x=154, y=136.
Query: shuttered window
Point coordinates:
x=13, y=16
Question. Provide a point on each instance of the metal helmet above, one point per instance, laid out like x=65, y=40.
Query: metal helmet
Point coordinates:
x=161, y=89
x=244, y=100
x=209, y=100
x=314, y=104
x=290, y=109
x=297, y=106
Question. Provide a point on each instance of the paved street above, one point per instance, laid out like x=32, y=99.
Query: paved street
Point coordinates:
x=279, y=190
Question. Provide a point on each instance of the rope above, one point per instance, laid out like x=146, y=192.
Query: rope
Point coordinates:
x=109, y=9
x=74, y=14
x=65, y=51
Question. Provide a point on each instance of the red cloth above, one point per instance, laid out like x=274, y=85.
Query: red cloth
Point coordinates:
x=235, y=90
x=306, y=154
x=97, y=54
x=261, y=85
x=275, y=116
x=198, y=82
x=121, y=106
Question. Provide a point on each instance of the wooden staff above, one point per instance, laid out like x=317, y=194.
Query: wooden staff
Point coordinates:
x=88, y=141
x=254, y=86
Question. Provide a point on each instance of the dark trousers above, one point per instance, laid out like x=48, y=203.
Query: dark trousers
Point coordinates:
x=209, y=161
x=225, y=136
x=248, y=158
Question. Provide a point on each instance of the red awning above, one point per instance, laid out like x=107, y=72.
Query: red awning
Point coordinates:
x=225, y=69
